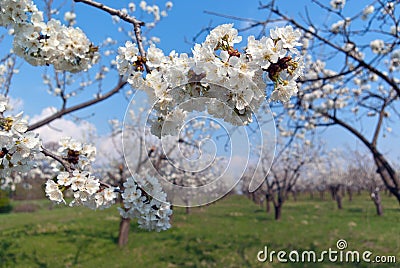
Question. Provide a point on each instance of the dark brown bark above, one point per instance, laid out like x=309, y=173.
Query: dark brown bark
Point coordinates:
x=350, y=193
x=268, y=204
x=336, y=194
x=294, y=194
x=333, y=192
x=278, y=212
x=187, y=210
x=388, y=175
x=339, y=201
x=124, y=224
x=123, y=235
x=253, y=197
x=278, y=203
x=171, y=217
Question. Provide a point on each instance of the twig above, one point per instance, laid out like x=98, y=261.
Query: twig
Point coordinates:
x=66, y=164
x=112, y=11
x=137, y=24
x=58, y=158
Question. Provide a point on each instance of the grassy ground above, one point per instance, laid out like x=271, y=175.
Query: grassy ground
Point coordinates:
x=229, y=233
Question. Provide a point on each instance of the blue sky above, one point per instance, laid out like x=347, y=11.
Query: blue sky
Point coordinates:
x=185, y=20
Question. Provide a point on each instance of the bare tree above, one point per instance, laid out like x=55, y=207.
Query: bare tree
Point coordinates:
x=285, y=173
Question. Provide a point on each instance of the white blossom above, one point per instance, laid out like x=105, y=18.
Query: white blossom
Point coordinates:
x=367, y=11
x=337, y=4
x=145, y=201
x=378, y=46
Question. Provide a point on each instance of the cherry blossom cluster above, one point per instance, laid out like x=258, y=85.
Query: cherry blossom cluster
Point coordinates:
x=337, y=4
x=18, y=151
x=77, y=178
x=144, y=200
x=41, y=43
x=324, y=96
x=153, y=9
x=77, y=154
x=232, y=81
x=83, y=185
x=394, y=64
x=86, y=190
x=150, y=12
x=18, y=146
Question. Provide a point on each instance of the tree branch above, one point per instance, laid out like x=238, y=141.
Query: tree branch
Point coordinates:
x=112, y=11
x=58, y=158
x=65, y=111
x=379, y=124
x=66, y=164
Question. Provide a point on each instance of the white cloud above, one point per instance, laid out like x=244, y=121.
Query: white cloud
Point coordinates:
x=16, y=104
x=81, y=130
x=108, y=148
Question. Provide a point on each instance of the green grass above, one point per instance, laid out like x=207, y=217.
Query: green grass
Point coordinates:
x=228, y=233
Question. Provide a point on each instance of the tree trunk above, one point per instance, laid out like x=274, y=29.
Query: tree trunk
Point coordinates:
x=278, y=212
x=339, y=201
x=294, y=194
x=333, y=192
x=350, y=193
x=268, y=205
x=321, y=195
x=124, y=226
x=253, y=197
x=187, y=209
x=379, y=208
x=311, y=195
x=387, y=173
x=376, y=197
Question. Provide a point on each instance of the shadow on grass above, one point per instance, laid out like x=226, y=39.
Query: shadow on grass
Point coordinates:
x=84, y=244
x=37, y=261
x=356, y=210
x=7, y=258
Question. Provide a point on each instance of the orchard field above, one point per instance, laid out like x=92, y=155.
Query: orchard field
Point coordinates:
x=228, y=233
